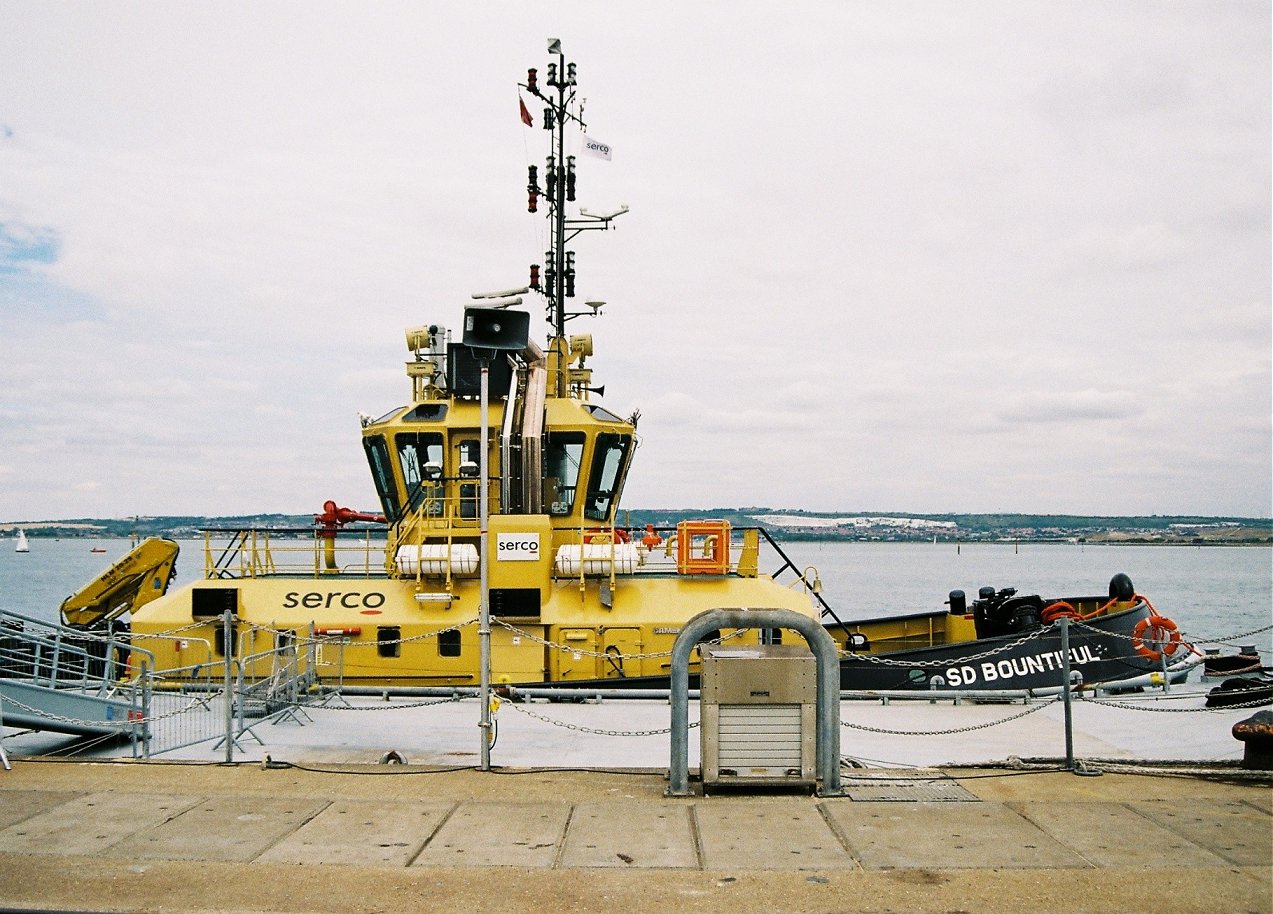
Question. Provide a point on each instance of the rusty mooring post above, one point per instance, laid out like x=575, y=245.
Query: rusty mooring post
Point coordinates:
x=1257, y=733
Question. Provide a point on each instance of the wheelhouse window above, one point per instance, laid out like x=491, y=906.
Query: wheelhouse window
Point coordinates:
x=420, y=457
x=382, y=475
x=563, y=456
x=470, y=463
x=604, y=481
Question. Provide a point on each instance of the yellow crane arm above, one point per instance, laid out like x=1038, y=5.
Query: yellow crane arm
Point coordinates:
x=136, y=579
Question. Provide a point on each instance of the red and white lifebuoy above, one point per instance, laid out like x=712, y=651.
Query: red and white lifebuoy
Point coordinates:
x=1155, y=636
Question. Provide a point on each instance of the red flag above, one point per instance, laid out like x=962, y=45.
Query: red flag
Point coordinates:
x=525, y=114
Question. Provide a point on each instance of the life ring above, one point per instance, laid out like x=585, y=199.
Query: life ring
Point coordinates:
x=1160, y=630
x=596, y=534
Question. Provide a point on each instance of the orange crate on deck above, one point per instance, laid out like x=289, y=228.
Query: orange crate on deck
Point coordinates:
x=702, y=547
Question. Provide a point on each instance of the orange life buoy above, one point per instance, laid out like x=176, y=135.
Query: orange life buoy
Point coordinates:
x=603, y=536
x=1156, y=630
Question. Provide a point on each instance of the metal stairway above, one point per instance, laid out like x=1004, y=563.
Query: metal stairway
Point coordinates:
x=68, y=680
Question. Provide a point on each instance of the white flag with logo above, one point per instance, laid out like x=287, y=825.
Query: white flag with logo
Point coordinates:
x=596, y=148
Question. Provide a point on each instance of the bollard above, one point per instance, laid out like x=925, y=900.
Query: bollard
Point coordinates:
x=1256, y=732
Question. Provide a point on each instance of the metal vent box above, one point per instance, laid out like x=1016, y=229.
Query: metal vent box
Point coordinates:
x=758, y=715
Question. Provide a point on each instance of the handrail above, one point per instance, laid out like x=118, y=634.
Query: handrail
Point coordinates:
x=787, y=563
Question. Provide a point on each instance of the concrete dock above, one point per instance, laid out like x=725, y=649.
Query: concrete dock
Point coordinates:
x=199, y=837
x=939, y=815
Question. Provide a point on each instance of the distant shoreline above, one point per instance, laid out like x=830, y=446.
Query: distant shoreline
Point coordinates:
x=785, y=524
x=1244, y=538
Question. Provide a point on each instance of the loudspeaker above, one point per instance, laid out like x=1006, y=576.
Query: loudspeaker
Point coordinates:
x=464, y=373
x=488, y=328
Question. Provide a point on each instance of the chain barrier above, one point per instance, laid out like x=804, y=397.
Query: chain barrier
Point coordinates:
x=173, y=632
x=1110, y=703
x=379, y=641
x=123, y=724
x=1103, y=702
x=935, y=664
x=1185, y=637
x=451, y=699
x=953, y=730
x=568, y=649
x=1233, y=639
x=582, y=729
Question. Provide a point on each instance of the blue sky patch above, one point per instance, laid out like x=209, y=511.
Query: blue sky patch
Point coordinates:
x=26, y=292
x=22, y=246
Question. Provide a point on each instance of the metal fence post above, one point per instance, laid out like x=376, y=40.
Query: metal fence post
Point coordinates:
x=4, y=759
x=1065, y=693
x=229, y=704
x=147, y=705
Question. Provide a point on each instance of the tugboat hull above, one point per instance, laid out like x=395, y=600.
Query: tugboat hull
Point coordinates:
x=1102, y=650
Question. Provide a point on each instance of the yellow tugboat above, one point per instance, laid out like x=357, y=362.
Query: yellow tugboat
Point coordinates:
x=573, y=594
x=502, y=476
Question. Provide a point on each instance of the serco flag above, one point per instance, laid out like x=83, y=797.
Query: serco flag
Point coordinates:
x=596, y=148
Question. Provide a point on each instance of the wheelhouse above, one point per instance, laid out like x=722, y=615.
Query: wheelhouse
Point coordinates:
x=561, y=456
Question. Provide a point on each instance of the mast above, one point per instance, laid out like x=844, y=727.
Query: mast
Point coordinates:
x=562, y=106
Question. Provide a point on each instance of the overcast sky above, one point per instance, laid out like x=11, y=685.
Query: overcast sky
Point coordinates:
x=991, y=256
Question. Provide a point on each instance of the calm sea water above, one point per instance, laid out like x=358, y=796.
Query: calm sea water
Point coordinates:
x=1211, y=592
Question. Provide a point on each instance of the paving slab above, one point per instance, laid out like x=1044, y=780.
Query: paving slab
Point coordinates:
x=630, y=835
x=498, y=834
x=1236, y=831
x=222, y=828
x=1109, y=834
x=17, y=805
x=352, y=833
x=91, y=823
x=767, y=834
x=946, y=835
x=1262, y=802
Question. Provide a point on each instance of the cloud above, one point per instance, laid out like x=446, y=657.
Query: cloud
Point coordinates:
x=873, y=255
x=1136, y=247
x=1070, y=406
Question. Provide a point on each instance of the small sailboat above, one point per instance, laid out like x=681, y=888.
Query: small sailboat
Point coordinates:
x=22, y=544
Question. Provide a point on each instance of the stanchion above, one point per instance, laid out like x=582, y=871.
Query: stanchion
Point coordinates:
x=484, y=607
x=1069, y=709
x=488, y=332
x=228, y=640
x=4, y=759
x=1065, y=693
